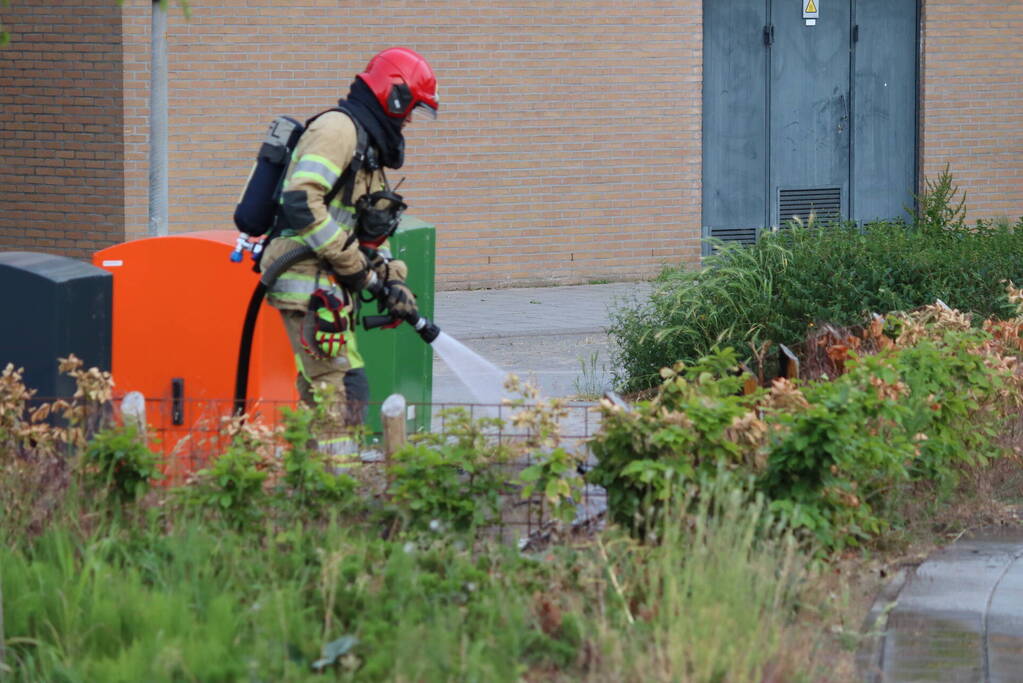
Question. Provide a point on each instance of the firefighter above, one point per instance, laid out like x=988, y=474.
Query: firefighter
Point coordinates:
x=338, y=213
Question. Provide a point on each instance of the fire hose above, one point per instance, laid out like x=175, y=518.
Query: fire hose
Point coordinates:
x=427, y=330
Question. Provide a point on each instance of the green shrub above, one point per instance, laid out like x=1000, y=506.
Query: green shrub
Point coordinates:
x=919, y=412
x=555, y=476
x=937, y=208
x=832, y=454
x=118, y=461
x=309, y=479
x=798, y=277
x=257, y=475
x=683, y=434
x=232, y=485
x=455, y=478
x=952, y=396
x=827, y=460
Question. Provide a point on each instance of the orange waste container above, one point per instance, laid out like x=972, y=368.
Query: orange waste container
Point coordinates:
x=179, y=304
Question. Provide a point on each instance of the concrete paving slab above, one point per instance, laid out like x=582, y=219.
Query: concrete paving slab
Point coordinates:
x=554, y=337
x=958, y=618
x=1005, y=625
x=535, y=311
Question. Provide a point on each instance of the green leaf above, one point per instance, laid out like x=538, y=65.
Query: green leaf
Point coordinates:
x=530, y=474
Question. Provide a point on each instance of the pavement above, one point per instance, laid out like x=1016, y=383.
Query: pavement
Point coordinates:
x=956, y=617
x=554, y=337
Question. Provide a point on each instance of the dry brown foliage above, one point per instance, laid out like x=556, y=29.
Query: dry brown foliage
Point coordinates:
x=39, y=440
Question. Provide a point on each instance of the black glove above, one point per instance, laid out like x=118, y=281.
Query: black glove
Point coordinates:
x=401, y=302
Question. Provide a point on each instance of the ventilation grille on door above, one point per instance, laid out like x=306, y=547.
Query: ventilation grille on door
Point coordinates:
x=824, y=202
x=744, y=235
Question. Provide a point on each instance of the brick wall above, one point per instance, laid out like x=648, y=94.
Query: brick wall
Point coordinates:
x=568, y=147
x=61, y=186
x=972, y=102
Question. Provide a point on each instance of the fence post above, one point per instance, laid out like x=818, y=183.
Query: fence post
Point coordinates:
x=749, y=380
x=133, y=412
x=393, y=419
x=788, y=363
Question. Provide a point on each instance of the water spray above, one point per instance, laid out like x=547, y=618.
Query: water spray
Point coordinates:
x=484, y=379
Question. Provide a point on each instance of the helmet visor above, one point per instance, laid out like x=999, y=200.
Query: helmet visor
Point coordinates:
x=424, y=109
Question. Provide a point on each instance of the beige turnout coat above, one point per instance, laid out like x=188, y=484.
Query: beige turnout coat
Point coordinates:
x=322, y=154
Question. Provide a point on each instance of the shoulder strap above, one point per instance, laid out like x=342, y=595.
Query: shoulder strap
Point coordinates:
x=347, y=180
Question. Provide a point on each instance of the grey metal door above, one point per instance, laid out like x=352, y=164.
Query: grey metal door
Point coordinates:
x=734, y=118
x=809, y=111
x=884, y=159
x=803, y=118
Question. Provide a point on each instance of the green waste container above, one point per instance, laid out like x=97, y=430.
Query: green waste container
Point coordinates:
x=397, y=360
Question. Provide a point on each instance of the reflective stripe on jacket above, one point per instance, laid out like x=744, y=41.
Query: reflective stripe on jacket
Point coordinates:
x=322, y=154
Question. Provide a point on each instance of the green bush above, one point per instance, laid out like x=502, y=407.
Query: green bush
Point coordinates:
x=646, y=455
x=832, y=454
x=827, y=460
x=256, y=475
x=232, y=485
x=802, y=276
x=454, y=479
x=309, y=479
x=118, y=461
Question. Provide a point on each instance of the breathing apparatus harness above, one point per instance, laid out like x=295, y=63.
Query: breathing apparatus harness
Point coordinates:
x=377, y=215
x=426, y=329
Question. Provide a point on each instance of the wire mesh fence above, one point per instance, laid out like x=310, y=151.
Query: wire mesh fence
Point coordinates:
x=191, y=433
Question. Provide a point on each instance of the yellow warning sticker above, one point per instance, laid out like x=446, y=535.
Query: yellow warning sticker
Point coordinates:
x=811, y=7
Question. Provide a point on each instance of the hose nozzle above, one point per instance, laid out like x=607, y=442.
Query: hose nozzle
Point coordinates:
x=426, y=329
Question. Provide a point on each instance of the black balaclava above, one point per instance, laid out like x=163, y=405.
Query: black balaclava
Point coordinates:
x=384, y=131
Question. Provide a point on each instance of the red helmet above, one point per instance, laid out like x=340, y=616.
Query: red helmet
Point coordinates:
x=402, y=81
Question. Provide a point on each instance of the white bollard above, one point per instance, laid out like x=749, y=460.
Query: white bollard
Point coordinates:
x=392, y=414
x=133, y=412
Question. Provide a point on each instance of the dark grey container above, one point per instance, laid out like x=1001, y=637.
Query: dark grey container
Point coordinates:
x=52, y=306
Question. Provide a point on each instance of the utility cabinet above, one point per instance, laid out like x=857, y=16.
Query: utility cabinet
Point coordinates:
x=808, y=106
x=53, y=306
x=398, y=360
x=179, y=306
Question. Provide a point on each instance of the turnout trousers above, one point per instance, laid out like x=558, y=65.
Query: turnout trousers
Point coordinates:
x=330, y=383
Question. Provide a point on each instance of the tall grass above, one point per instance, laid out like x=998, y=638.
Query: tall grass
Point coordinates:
x=802, y=276
x=216, y=605
x=714, y=600
x=721, y=589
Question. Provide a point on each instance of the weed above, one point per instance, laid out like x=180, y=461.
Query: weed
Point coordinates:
x=937, y=208
x=117, y=461
x=591, y=383
x=308, y=478
x=454, y=480
x=232, y=485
